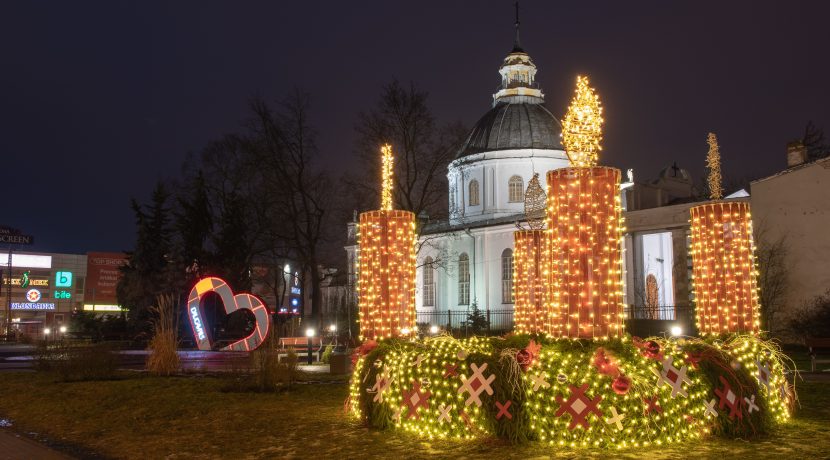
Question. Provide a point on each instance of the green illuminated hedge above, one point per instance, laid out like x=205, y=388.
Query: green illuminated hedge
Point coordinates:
x=609, y=394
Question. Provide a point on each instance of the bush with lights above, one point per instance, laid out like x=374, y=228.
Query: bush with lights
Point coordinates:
x=571, y=376
x=580, y=393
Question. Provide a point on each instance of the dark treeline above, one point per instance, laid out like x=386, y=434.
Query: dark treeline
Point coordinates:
x=261, y=197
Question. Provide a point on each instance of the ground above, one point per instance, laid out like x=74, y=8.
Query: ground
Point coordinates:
x=142, y=417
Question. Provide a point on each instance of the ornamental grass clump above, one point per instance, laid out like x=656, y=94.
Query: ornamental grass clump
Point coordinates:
x=164, y=359
x=269, y=372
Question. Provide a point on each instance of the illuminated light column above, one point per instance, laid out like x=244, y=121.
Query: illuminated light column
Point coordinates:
x=386, y=265
x=531, y=256
x=585, y=224
x=723, y=262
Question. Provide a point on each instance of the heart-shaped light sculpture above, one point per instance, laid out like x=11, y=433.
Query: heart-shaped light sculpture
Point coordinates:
x=232, y=303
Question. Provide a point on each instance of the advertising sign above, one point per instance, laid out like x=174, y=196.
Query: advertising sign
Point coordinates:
x=103, y=270
x=14, y=236
x=33, y=306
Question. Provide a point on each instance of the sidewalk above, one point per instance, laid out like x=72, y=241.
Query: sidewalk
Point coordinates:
x=15, y=447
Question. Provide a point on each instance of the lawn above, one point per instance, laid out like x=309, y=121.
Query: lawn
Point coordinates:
x=143, y=417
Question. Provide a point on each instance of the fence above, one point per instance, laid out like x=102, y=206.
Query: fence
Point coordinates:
x=467, y=322
x=645, y=321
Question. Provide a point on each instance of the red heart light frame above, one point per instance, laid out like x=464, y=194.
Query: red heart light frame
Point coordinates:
x=232, y=303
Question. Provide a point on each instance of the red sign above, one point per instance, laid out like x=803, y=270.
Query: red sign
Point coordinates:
x=103, y=270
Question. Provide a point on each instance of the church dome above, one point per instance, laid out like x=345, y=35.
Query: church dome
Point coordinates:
x=519, y=123
x=518, y=119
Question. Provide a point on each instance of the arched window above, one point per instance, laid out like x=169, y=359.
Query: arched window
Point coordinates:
x=515, y=188
x=463, y=279
x=507, y=276
x=473, y=197
x=429, y=283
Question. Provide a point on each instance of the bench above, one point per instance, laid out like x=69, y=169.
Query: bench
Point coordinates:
x=300, y=346
x=819, y=350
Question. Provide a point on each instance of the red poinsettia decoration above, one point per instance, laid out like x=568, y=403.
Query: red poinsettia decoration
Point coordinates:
x=363, y=350
x=621, y=384
x=649, y=349
x=526, y=356
x=605, y=363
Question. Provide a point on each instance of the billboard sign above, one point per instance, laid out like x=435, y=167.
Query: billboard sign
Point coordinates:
x=103, y=270
x=14, y=236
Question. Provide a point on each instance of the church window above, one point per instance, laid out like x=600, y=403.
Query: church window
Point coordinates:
x=507, y=276
x=429, y=283
x=515, y=188
x=463, y=279
x=473, y=198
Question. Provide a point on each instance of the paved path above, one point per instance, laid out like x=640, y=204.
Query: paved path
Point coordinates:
x=15, y=447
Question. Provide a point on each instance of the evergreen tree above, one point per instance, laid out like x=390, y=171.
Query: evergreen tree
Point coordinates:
x=147, y=272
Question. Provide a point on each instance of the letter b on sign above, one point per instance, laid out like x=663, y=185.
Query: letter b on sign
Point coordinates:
x=63, y=279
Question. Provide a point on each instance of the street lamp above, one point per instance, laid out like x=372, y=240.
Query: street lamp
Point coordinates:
x=676, y=331
x=433, y=329
x=47, y=331
x=310, y=334
x=62, y=329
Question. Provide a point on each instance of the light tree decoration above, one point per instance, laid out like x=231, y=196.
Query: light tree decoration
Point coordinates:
x=531, y=258
x=713, y=163
x=386, y=276
x=584, y=219
x=387, y=164
x=582, y=126
x=723, y=259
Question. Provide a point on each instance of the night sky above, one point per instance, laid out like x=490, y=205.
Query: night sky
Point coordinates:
x=102, y=99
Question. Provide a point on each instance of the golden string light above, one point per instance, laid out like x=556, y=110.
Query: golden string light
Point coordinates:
x=386, y=266
x=387, y=163
x=585, y=225
x=531, y=256
x=582, y=126
x=713, y=163
x=724, y=275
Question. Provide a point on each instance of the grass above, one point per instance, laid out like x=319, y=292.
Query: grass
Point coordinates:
x=143, y=417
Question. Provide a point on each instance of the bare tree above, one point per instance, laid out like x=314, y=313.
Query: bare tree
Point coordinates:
x=295, y=188
x=773, y=280
x=813, y=140
x=422, y=150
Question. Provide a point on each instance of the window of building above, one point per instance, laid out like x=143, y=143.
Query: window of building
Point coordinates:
x=515, y=188
x=507, y=276
x=473, y=198
x=429, y=283
x=463, y=279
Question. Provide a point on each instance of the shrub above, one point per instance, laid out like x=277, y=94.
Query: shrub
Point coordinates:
x=77, y=363
x=269, y=372
x=327, y=354
x=813, y=318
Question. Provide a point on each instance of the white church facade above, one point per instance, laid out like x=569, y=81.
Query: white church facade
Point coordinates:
x=466, y=262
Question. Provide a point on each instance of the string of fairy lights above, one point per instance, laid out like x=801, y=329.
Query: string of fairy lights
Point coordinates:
x=723, y=268
x=617, y=392
x=386, y=265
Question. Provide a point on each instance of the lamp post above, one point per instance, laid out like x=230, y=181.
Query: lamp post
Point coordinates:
x=46, y=332
x=310, y=334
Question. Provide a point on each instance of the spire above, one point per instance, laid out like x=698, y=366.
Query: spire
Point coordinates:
x=517, y=44
x=518, y=75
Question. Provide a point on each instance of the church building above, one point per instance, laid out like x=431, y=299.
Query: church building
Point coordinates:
x=465, y=263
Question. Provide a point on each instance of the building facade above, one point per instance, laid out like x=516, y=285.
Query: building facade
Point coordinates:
x=40, y=291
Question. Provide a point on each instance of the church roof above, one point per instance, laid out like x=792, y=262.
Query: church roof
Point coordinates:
x=514, y=124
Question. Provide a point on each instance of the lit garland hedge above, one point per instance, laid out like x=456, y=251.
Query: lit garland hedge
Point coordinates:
x=618, y=393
